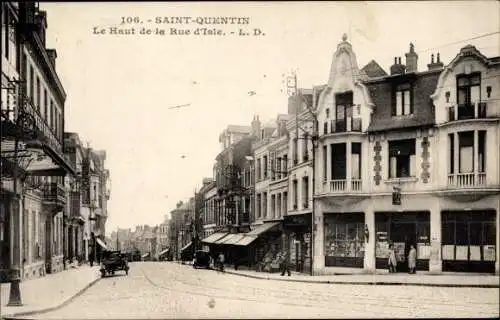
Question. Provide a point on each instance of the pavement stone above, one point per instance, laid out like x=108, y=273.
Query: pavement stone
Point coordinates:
x=49, y=292
x=382, y=278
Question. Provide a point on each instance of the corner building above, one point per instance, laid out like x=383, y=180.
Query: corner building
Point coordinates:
x=408, y=158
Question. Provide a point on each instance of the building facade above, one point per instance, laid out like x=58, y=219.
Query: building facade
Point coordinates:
x=381, y=171
x=33, y=163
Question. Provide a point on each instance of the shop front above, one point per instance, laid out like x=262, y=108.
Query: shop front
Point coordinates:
x=402, y=229
x=297, y=230
x=344, y=239
x=469, y=241
x=4, y=238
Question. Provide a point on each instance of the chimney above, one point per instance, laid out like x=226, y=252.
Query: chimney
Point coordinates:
x=397, y=67
x=411, y=59
x=435, y=65
x=41, y=25
x=52, y=53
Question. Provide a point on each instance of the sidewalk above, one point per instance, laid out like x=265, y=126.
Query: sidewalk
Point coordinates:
x=382, y=278
x=49, y=292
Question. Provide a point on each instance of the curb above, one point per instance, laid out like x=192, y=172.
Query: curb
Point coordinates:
x=53, y=308
x=377, y=283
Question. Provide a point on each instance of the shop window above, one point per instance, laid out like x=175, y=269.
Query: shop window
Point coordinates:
x=466, y=151
x=402, y=158
x=343, y=238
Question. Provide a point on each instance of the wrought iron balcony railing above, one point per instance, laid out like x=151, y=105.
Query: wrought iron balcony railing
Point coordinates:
x=477, y=110
x=54, y=193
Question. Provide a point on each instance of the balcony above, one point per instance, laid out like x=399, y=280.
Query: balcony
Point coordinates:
x=54, y=194
x=467, y=180
x=343, y=185
x=467, y=111
x=349, y=124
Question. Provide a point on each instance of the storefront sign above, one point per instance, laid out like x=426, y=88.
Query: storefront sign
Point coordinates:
x=448, y=252
x=462, y=253
x=423, y=251
x=489, y=253
x=475, y=253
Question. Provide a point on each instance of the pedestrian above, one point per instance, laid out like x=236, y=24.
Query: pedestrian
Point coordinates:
x=392, y=259
x=91, y=258
x=412, y=259
x=285, y=267
x=221, y=262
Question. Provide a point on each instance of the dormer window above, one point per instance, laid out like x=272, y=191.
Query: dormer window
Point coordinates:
x=468, y=89
x=403, y=104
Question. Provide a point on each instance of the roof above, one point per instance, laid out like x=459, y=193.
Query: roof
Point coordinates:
x=374, y=70
x=424, y=84
x=239, y=128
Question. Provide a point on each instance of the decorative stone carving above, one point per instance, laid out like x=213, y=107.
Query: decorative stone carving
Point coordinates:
x=425, y=175
x=377, y=168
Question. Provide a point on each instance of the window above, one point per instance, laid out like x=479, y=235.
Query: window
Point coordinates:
x=325, y=127
x=273, y=205
x=38, y=93
x=285, y=202
x=264, y=202
x=481, y=148
x=403, y=105
x=257, y=169
x=6, y=32
x=325, y=161
x=305, y=192
x=264, y=165
x=338, y=161
x=343, y=111
x=402, y=158
x=305, y=154
x=466, y=151
x=295, y=194
x=451, y=153
x=285, y=165
x=295, y=150
x=343, y=237
x=356, y=161
x=468, y=93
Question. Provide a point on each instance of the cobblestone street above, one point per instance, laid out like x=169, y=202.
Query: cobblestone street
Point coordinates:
x=169, y=290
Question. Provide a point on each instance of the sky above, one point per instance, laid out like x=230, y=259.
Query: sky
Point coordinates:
x=120, y=87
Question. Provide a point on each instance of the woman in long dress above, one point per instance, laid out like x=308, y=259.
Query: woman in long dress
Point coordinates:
x=412, y=259
x=392, y=259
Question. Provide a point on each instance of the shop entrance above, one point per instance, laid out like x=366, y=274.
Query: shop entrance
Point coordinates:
x=402, y=229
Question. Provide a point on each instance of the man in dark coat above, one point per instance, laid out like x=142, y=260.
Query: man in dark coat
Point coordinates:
x=285, y=266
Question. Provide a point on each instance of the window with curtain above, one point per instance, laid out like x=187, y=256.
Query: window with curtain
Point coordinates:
x=295, y=193
x=466, y=151
x=403, y=104
x=305, y=191
x=481, y=150
x=402, y=159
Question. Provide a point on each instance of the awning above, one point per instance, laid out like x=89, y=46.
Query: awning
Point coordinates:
x=101, y=243
x=186, y=246
x=260, y=229
x=232, y=238
x=163, y=252
x=245, y=241
x=214, y=237
x=145, y=255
